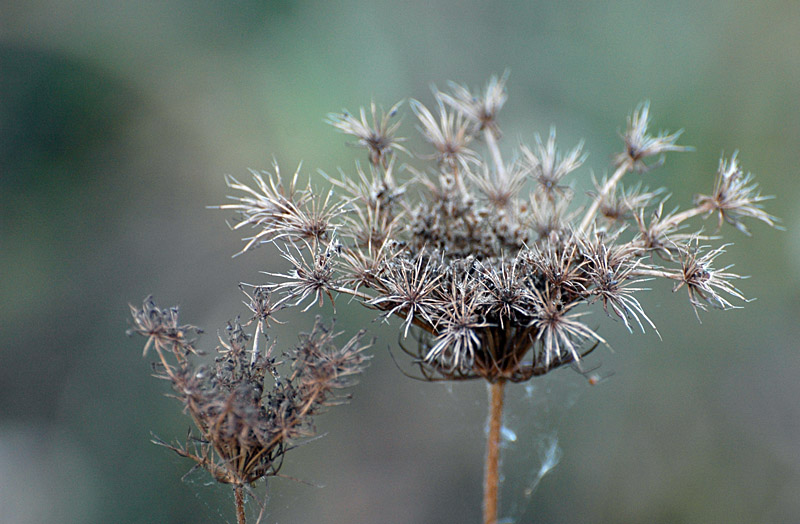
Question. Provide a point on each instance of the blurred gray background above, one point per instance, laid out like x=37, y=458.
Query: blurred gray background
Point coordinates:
x=118, y=121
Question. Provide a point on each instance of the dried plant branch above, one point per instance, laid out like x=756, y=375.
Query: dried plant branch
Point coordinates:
x=247, y=414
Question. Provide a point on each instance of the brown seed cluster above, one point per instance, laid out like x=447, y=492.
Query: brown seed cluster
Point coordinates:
x=490, y=265
x=251, y=406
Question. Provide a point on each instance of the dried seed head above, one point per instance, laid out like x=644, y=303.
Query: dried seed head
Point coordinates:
x=706, y=285
x=162, y=330
x=377, y=137
x=309, y=278
x=489, y=273
x=640, y=146
x=245, y=425
x=450, y=136
x=500, y=191
x=283, y=213
x=548, y=167
x=560, y=331
x=479, y=109
x=458, y=327
x=735, y=197
x=619, y=207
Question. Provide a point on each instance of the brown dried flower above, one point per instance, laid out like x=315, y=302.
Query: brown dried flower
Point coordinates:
x=735, y=197
x=246, y=412
x=378, y=137
x=450, y=136
x=492, y=275
x=639, y=145
x=481, y=110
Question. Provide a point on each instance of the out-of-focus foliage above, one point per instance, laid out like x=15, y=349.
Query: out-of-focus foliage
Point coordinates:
x=118, y=121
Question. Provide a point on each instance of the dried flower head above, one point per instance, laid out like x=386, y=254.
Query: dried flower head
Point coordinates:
x=618, y=207
x=735, y=197
x=377, y=137
x=548, y=167
x=251, y=406
x=639, y=145
x=490, y=265
x=705, y=283
x=482, y=109
x=450, y=136
x=162, y=330
x=282, y=212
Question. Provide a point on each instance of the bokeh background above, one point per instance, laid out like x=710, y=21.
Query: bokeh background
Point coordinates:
x=118, y=121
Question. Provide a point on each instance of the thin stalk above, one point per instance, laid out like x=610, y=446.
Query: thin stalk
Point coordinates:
x=351, y=292
x=642, y=272
x=256, y=340
x=491, y=477
x=676, y=219
x=606, y=190
x=238, y=495
x=491, y=142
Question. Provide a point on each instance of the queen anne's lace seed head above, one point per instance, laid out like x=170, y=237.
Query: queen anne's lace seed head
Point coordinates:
x=249, y=406
x=641, y=146
x=735, y=198
x=492, y=266
x=376, y=136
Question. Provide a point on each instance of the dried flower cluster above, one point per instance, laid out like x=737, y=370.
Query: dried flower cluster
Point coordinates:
x=490, y=265
x=491, y=260
x=247, y=414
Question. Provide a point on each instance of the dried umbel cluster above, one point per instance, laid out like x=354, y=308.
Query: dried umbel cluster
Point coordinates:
x=490, y=260
x=248, y=414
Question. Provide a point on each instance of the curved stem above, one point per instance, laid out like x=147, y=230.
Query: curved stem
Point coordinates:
x=491, y=476
x=238, y=495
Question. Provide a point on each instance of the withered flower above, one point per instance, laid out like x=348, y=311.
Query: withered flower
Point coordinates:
x=619, y=207
x=450, y=136
x=377, y=137
x=163, y=331
x=482, y=110
x=250, y=407
x=282, y=212
x=705, y=283
x=548, y=167
x=639, y=145
x=489, y=264
x=735, y=197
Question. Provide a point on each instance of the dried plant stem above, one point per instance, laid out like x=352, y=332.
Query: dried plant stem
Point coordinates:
x=491, y=477
x=494, y=149
x=606, y=190
x=655, y=273
x=681, y=217
x=238, y=494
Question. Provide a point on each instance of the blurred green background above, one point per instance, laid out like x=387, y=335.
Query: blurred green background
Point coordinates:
x=118, y=121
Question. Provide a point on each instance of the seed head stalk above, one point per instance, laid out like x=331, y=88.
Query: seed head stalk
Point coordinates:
x=607, y=189
x=494, y=150
x=238, y=495
x=491, y=476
